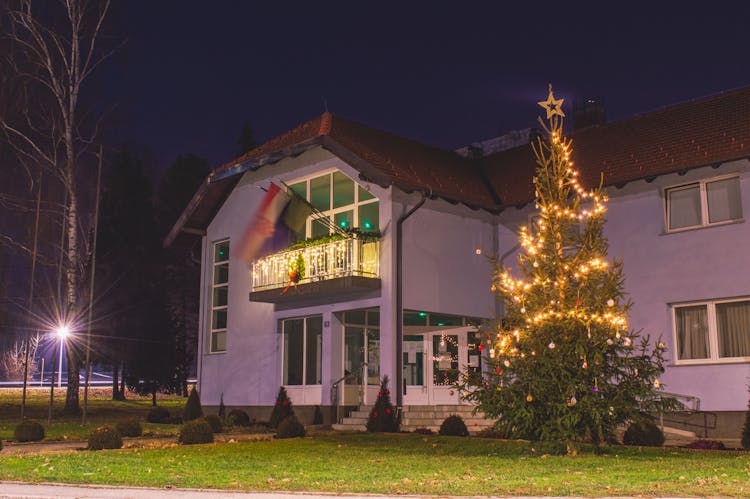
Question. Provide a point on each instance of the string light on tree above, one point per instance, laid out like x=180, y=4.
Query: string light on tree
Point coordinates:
x=564, y=341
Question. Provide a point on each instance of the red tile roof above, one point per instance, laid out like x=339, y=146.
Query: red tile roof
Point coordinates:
x=698, y=133
x=702, y=132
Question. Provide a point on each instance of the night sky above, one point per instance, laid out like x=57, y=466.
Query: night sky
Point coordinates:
x=192, y=72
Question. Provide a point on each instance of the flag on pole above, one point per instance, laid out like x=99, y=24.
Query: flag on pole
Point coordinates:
x=263, y=225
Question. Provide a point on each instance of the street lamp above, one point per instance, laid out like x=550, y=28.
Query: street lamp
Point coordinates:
x=62, y=331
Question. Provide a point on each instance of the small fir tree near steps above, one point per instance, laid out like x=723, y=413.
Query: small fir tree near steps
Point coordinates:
x=563, y=366
x=746, y=429
x=383, y=416
x=193, y=409
x=282, y=408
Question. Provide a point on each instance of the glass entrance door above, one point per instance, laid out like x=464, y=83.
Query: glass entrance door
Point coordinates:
x=414, y=370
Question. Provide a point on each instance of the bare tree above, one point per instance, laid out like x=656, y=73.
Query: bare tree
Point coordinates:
x=12, y=359
x=55, y=51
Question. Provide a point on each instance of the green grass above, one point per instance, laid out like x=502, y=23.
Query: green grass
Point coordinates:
x=396, y=464
x=101, y=410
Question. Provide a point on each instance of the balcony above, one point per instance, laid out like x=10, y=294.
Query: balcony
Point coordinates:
x=333, y=269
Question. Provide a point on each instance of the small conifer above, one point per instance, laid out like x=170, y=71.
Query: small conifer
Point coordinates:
x=383, y=416
x=282, y=408
x=193, y=409
x=746, y=429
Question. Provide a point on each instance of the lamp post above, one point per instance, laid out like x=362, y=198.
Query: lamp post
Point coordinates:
x=62, y=331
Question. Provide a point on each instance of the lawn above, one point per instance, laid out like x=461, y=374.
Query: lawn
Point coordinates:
x=396, y=464
x=101, y=410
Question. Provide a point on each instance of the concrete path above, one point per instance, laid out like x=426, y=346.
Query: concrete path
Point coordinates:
x=47, y=491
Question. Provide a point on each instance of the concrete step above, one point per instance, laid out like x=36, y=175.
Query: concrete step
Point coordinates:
x=360, y=414
x=678, y=433
x=349, y=427
x=354, y=421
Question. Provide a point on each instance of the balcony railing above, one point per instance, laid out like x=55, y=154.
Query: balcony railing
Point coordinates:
x=330, y=260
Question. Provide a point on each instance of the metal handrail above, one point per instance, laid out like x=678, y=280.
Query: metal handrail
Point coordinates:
x=695, y=401
x=335, y=392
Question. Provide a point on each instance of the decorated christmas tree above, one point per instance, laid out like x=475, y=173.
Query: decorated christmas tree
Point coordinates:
x=281, y=408
x=383, y=416
x=563, y=365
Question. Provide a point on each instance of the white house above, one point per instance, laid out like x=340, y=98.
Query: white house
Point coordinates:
x=404, y=305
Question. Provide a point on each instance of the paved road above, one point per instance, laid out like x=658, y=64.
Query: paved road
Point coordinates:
x=29, y=491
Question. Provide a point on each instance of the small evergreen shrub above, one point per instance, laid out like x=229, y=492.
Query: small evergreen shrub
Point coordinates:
x=259, y=427
x=29, y=431
x=238, y=417
x=193, y=409
x=746, y=429
x=424, y=431
x=454, y=426
x=105, y=437
x=317, y=416
x=214, y=421
x=222, y=409
x=282, y=408
x=197, y=431
x=157, y=414
x=643, y=432
x=290, y=427
x=383, y=415
x=706, y=445
x=130, y=428
x=173, y=420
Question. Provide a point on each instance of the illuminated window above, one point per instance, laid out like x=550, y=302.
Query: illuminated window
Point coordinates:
x=342, y=203
x=713, y=331
x=219, y=297
x=703, y=203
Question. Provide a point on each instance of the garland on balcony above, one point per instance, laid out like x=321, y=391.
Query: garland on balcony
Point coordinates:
x=355, y=233
x=296, y=272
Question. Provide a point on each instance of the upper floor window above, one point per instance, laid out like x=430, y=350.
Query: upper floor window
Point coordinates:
x=703, y=203
x=341, y=201
x=219, y=296
x=715, y=331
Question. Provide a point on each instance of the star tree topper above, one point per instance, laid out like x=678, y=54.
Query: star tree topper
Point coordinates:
x=551, y=105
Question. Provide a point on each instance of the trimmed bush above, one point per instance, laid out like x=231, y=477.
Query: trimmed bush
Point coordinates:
x=214, y=421
x=129, y=428
x=454, y=426
x=157, y=414
x=197, y=431
x=383, y=416
x=29, y=431
x=643, y=432
x=193, y=409
x=746, y=430
x=491, y=433
x=706, y=445
x=222, y=409
x=238, y=417
x=290, y=427
x=282, y=408
x=105, y=437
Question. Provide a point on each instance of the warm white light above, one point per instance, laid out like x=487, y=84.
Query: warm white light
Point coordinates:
x=63, y=331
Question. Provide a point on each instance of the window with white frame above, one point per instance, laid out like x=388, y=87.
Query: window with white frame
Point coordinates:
x=703, y=203
x=715, y=331
x=302, y=351
x=219, y=297
x=341, y=200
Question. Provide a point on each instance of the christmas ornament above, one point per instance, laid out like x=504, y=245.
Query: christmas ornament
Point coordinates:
x=551, y=345
x=572, y=401
x=660, y=346
x=507, y=363
x=523, y=310
x=657, y=383
x=551, y=105
x=492, y=353
x=529, y=398
x=536, y=264
x=627, y=341
x=610, y=303
x=609, y=341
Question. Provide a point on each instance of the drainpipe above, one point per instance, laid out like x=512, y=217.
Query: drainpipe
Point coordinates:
x=400, y=387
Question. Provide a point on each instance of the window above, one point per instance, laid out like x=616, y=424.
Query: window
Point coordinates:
x=302, y=350
x=703, y=203
x=712, y=331
x=341, y=201
x=219, y=297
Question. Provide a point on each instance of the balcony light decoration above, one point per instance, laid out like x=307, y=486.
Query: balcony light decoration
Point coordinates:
x=564, y=355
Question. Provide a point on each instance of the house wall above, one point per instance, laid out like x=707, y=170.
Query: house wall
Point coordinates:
x=249, y=372
x=442, y=271
x=661, y=269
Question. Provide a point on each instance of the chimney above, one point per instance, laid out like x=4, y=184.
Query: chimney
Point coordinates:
x=589, y=112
